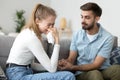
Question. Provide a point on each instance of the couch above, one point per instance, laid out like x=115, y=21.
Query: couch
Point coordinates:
x=7, y=41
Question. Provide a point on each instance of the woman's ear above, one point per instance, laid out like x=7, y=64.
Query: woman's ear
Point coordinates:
x=37, y=21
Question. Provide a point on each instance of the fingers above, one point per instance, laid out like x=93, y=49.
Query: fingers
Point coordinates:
x=62, y=64
x=54, y=29
x=62, y=68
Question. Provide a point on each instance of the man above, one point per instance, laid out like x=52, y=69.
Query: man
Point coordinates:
x=91, y=47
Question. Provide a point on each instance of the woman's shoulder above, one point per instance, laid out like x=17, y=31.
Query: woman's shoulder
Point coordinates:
x=26, y=35
x=26, y=31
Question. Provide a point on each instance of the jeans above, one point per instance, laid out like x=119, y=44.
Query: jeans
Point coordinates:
x=24, y=73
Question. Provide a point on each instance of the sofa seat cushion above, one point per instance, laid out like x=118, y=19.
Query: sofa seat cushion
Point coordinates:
x=115, y=56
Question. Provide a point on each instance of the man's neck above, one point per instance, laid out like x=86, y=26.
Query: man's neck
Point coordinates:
x=94, y=30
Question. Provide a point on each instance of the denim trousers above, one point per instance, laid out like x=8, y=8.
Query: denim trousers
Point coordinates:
x=24, y=73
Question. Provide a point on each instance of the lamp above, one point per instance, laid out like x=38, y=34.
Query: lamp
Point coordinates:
x=63, y=23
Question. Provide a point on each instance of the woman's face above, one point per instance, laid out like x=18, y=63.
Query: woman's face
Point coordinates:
x=45, y=24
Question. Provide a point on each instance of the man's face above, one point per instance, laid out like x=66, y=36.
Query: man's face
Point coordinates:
x=88, y=20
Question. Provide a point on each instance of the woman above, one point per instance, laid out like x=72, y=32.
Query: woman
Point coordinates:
x=27, y=46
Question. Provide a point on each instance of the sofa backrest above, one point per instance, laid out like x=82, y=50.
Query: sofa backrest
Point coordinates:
x=5, y=46
x=115, y=45
x=64, y=48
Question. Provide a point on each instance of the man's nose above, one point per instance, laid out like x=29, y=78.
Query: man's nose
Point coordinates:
x=83, y=19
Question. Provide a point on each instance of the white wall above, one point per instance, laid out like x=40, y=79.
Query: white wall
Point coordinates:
x=64, y=8
x=71, y=10
x=9, y=7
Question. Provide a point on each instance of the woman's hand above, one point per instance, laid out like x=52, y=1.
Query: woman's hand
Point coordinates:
x=55, y=34
x=64, y=65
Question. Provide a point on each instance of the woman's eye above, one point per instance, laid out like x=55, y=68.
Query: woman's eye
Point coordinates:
x=50, y=25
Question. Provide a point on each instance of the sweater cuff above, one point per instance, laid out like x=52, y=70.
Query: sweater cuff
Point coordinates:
x=57, y=45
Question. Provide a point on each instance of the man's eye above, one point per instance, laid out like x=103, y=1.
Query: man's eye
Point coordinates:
x=87, y=17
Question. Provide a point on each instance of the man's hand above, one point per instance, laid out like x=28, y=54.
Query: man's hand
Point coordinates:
x=64, y=65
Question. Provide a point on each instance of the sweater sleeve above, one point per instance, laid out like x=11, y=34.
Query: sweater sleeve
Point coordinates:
x=35, y=46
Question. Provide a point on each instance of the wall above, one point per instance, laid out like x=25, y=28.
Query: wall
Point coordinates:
x=9, y=7
x=71, y=10
x=64, y=8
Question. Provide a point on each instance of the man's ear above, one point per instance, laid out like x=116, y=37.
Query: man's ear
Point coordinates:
x=97, y=18
x=37, y=21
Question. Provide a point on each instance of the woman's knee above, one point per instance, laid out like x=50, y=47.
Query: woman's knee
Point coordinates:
x=67, y=75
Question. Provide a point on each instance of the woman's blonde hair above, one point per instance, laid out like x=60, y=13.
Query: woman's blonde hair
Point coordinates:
x=39, y=12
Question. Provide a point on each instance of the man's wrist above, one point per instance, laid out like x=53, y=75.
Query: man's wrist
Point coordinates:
x=74, y=68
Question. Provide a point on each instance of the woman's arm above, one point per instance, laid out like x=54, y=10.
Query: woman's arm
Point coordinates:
x=37, y=67
x=38, y=51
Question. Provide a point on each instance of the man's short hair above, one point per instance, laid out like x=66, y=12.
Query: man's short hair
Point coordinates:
x=93, y=7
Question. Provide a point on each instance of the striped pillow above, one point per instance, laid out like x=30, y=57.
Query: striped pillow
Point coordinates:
x=115, y=56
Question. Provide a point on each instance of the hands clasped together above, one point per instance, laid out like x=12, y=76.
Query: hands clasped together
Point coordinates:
x=64, y=64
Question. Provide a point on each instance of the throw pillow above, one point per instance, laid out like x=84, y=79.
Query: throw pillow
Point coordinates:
x=115, y=56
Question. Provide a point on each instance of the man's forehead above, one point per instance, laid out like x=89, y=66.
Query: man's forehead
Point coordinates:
x=86, y=13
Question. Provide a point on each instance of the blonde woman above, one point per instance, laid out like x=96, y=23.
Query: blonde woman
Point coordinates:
x=28, y=46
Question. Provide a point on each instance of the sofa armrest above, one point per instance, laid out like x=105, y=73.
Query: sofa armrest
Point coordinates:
x=115, y=45
x=2, y=74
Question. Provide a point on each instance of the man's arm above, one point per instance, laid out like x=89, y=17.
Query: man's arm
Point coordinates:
x=68, y=64
x=86, y=67
x=72, y=57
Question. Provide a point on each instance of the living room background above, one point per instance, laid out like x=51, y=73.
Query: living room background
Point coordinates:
x=70, y=9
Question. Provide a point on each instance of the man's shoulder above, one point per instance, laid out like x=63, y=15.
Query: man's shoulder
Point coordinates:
x=78, y=32
x=106, y=33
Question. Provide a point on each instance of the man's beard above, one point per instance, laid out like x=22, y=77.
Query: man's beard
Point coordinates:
x=88, y=27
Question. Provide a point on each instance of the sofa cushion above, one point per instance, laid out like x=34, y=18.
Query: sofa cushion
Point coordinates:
x=64, y=48
x=115, y=56
x=5, y=46
x=115, y=45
